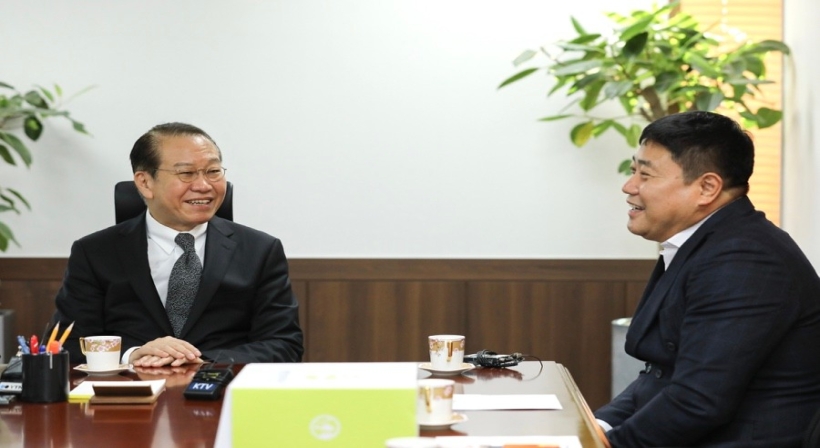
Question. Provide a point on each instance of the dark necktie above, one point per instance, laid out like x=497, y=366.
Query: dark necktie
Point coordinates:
x=183, y=283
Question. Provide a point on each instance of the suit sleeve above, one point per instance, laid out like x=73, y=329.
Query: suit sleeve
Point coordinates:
x=274, y=334
x=736, y=306
x=79, y=300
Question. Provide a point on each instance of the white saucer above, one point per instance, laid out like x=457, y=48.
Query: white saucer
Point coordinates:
x=429, y=367
x=457, y=418
x=84, y=368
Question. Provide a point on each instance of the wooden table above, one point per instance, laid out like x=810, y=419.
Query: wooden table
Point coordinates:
x=175, y=421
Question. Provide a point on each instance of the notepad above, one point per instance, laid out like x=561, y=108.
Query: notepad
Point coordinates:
x=117, y=392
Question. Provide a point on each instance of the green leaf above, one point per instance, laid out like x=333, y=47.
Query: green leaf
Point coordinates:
x=754, y=65
x=585, y=38
x=524, y=57
x=19, y=196
x=635, y=45
x=5, y=154
x=602, y=127
x=620, y=128
x=59, y=90
x=17, y=146
x=591, y=97
x=515, y=77
x=32, y=127
x=708, y=101
x=581, y=133
x=555, y=117
x=625, y=167
x=769, y=45
x=79, y=127
x=587, y=80
x=767, y=117
x=5, y=236
x=45, y=92
x=33, y=97
x=614, y=89
x=702, y=65
x=577, y=67
x=569, y=46
x=633, y=135
x=637, y=28
x=665, y=80
x=577, y=25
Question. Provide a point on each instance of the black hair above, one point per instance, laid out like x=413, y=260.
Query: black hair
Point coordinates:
x=702, y=142
x=145, y=153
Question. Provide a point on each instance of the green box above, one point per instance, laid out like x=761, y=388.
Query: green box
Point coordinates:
x=322, y=404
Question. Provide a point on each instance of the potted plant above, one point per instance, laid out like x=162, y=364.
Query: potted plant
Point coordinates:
x=654, y=63
x=27, y=112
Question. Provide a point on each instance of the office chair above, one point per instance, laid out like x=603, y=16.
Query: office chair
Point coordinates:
x=128, y=203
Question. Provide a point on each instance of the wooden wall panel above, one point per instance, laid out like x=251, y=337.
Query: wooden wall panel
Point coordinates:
x=381, y=321
x=300, y=291
x=384, y=309
x=568, y=322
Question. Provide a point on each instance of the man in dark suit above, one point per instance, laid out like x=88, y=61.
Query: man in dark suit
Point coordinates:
x=235, y=305
x=729, y=323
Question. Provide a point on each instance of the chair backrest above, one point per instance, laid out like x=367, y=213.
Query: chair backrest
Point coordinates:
x=128, y=203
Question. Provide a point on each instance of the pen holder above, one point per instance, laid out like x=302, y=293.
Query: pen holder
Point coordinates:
x=45, y=378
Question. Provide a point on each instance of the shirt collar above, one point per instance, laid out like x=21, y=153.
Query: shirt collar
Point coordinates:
x=163, y=236
x=670, y=247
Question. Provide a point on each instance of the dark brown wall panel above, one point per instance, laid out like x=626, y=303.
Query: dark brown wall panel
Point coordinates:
x=381, y=321
x=384, y=309
x=568, y=322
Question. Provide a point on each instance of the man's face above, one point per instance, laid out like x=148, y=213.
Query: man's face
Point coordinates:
x=661, y=203
x=177, y=204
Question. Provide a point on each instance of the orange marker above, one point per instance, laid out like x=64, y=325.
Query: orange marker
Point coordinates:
x=53, y=347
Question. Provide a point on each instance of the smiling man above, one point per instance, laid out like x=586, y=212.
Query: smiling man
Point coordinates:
x=177, y=283
x=729, y=323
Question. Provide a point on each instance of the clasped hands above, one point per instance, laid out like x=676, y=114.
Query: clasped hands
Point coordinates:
x=165, y=351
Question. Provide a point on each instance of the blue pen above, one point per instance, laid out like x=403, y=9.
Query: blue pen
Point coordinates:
x=42, y=349
x=23, y=345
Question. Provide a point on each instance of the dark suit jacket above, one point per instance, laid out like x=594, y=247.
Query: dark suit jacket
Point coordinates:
x=732, y=330
x=244, y=311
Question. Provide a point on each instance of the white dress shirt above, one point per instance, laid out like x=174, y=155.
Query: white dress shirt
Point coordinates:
x=163, y=252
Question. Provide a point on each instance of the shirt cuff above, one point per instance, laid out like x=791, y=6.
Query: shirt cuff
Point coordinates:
x=127, y=355
x=604, y=425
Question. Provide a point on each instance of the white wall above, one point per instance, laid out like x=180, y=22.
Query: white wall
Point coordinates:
x=801, y=206
x=358, y=128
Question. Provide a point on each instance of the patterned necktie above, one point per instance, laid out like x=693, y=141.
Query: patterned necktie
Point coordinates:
x=183, y=283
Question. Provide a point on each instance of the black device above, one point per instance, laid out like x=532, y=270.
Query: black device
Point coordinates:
x=487, y=358
x=11, y=381
x=208, y=384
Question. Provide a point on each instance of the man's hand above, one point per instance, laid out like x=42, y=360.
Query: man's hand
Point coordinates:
x=165, y=351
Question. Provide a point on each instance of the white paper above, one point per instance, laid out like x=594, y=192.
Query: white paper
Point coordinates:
x=85, y=390
x=500, y=441
x=477, y=402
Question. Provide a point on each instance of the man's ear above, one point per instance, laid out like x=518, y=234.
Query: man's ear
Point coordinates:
x=711, y=185
x=145, y=184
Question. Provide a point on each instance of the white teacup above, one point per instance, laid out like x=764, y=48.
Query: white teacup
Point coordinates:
x=434, y=403
x=446, y=351
x=101, y=352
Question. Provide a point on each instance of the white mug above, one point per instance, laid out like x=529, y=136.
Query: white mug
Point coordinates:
x=446, y=351
x=101, y=352
x=434, y=403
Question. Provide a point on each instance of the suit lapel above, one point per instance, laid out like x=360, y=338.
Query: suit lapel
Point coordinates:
x=653, y=297
x=132, y=251
x=219, y=249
